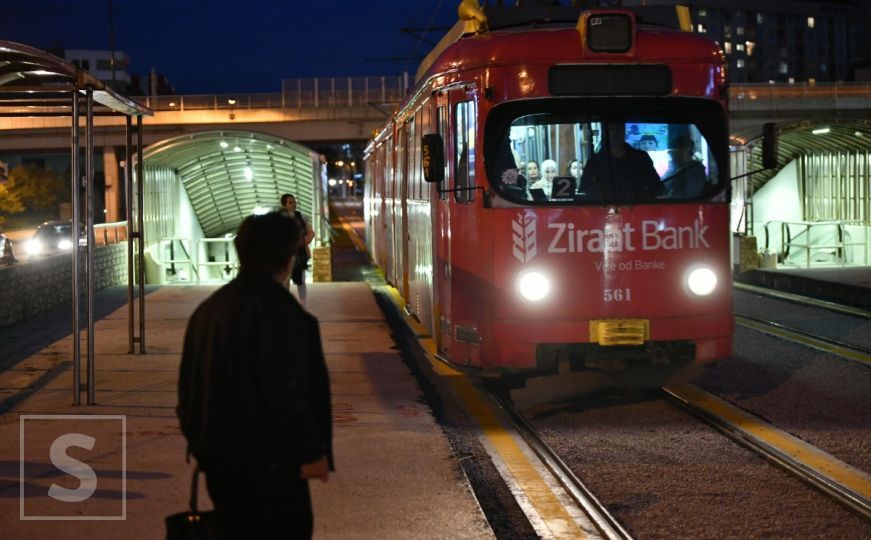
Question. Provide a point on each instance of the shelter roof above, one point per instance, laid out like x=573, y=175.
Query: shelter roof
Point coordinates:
x=36, y=83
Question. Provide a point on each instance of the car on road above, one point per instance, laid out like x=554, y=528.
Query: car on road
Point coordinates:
x=52, y=237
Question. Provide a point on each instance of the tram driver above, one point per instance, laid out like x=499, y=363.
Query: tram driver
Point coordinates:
x=619, y=172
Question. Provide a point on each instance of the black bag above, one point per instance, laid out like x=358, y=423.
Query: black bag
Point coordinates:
x=193, y=524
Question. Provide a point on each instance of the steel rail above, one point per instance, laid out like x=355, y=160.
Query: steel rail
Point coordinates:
x=805, y=300
x=781, y=457
x=586, y=500
x=820, y=343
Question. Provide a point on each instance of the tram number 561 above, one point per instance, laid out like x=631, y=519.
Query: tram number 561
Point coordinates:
x=617, y=295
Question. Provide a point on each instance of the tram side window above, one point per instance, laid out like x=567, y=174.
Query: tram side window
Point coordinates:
x=464, y=151
x=442, y=119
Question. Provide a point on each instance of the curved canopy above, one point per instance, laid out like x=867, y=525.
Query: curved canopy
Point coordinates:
x=36, y=83
x=806, y=137
x=230, y=174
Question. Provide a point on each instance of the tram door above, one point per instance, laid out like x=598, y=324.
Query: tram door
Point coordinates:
x=457, y=232
x=400, y=211
x=441, y=210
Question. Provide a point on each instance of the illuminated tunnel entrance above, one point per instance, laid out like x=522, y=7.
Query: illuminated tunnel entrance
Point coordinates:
x=199, y=187
x=814, y=209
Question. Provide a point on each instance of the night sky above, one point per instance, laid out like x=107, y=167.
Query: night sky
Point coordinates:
x=222, y=46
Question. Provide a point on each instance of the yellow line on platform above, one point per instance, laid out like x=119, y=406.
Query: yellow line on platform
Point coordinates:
x=551, y=513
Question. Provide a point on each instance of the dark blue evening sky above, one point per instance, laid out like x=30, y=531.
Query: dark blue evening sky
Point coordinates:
x=222, y=46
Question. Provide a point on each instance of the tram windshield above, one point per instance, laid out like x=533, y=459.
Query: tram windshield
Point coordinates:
x=568, y=158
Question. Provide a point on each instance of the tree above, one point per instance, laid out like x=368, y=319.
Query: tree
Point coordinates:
x=10, y=203
x=37, y=189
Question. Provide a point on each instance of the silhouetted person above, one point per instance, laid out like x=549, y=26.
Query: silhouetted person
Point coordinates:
x=618, y=172
x=254, y=394
x=303, y=254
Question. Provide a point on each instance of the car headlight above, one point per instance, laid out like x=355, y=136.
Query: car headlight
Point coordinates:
x=33, y=247
x=533, y=286
x=65, y=244
x=702, y=281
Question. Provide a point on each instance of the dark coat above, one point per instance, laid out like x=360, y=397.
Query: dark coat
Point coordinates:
x=629, y=178
x=686, y=181
x=253, y=387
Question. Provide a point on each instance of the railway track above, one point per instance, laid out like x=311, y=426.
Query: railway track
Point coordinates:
x=847, y=485
x=604, y=521
x=821, y=343
x=814, y=340
x=804, y=300
x=844, y=484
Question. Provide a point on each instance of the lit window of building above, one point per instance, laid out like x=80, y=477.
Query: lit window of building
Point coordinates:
x=701, y=29
x=739, y=47
x=739, y=63
x=703, y=13
x=759, y=18
x=750, y=46
x=727, y=47
x=783, y=69
x=740, y=30
x=810, y=22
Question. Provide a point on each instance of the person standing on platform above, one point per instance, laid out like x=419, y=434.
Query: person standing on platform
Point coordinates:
x=288, y=205
x=254, y=392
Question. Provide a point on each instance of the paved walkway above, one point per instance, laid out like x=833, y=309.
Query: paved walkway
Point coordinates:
x=396, y=478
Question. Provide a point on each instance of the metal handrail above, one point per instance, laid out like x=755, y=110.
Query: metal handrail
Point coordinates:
x=233, y=265
x=787, y=242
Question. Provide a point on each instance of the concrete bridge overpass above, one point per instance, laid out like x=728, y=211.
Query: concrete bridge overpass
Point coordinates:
x=314, y=111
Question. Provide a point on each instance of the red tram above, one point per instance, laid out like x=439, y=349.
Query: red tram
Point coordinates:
x=554, y=193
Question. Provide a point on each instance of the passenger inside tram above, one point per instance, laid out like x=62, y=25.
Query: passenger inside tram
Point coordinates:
x=587, y=160
x=686, y=175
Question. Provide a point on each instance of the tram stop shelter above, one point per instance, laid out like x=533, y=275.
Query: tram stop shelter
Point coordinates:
x=34, y=83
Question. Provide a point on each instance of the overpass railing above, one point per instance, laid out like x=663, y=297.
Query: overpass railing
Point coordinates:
x=386, y=92
x=799, y=96
x=334, y=92
x=296, y=93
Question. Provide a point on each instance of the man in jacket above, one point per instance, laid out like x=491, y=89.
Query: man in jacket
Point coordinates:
x=254, y=396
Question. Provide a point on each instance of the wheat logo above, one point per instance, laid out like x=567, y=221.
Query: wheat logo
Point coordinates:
x=523, y=228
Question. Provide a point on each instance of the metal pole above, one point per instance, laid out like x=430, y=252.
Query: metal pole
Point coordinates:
x=141, y=234
x=128, y=194
x=75, y=180
x=89, y=189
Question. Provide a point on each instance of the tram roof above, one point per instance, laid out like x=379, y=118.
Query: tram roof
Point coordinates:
x=524, y=18
x=36, y=83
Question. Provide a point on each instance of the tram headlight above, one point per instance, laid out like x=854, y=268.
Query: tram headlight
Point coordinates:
x=533, y=286
x=701, y=280
x=65, y=245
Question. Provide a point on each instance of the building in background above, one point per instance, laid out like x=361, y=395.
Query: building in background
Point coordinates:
x=100, y=65
x=786, y=40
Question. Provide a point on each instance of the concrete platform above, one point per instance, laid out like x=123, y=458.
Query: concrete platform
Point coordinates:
x=396, y=474
x=849, y=286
